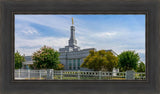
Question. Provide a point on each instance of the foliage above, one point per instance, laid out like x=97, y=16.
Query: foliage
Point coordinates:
x=141, y=67
x=100, y=60
x=18, y=60
x=31, y=66
x=46, y=58
x=60, y=67
x=128, y=60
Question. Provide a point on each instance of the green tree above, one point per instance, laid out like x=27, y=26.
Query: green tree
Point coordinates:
x=128, y=60
x=60, y=67
x=46, y=58
x=31, y=66
x=141, y=67
x=100, y=60
x=18, y=60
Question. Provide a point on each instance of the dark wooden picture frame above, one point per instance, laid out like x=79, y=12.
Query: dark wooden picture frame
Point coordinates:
x=149, y=86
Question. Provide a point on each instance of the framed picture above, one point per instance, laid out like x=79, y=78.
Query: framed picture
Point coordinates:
x=79, y=47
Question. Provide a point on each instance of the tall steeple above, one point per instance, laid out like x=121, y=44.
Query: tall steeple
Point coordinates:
x=72, y=40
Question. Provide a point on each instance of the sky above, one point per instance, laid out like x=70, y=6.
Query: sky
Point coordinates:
x=117, y=32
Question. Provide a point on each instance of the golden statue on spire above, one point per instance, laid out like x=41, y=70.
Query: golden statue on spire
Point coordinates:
x=72, y=21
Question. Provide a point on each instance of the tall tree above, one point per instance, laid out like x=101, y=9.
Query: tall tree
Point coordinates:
x=141, y=67
x=128, y=60
x=18, y=60
x=100, y=60
x=46, y=58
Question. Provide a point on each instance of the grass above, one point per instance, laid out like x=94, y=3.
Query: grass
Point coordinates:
x=58, y=77
x=33, y=78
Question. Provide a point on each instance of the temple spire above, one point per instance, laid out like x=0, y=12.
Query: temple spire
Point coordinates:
x=72, y=40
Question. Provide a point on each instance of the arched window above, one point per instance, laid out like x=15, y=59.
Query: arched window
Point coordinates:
x=78, y=64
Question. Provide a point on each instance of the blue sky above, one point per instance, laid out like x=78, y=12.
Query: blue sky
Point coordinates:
x=116, y=32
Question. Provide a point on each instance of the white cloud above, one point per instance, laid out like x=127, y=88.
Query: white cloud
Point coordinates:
x=27, y=51
x=104, y=34
x=25, y=29
x=27, y=46
x=50, y=41
x=30, y=30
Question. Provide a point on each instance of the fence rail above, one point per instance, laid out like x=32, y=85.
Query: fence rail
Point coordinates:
x=51, y=74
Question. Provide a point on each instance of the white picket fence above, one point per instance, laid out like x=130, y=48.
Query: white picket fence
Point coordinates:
x=140, y=75
x=29, y=74
x=50, y=74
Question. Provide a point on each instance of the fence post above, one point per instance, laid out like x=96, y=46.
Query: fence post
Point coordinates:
x=40, y=74
x=61, y=74
x=28, y=73
x=19, y=73
x=78, y=74
x=126, y=75
x=53, y=74
x=130, y=75
x=109, y=77
x=48, y=74
x=100, y=75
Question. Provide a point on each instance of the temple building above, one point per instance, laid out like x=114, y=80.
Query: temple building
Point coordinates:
x=71, y=56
